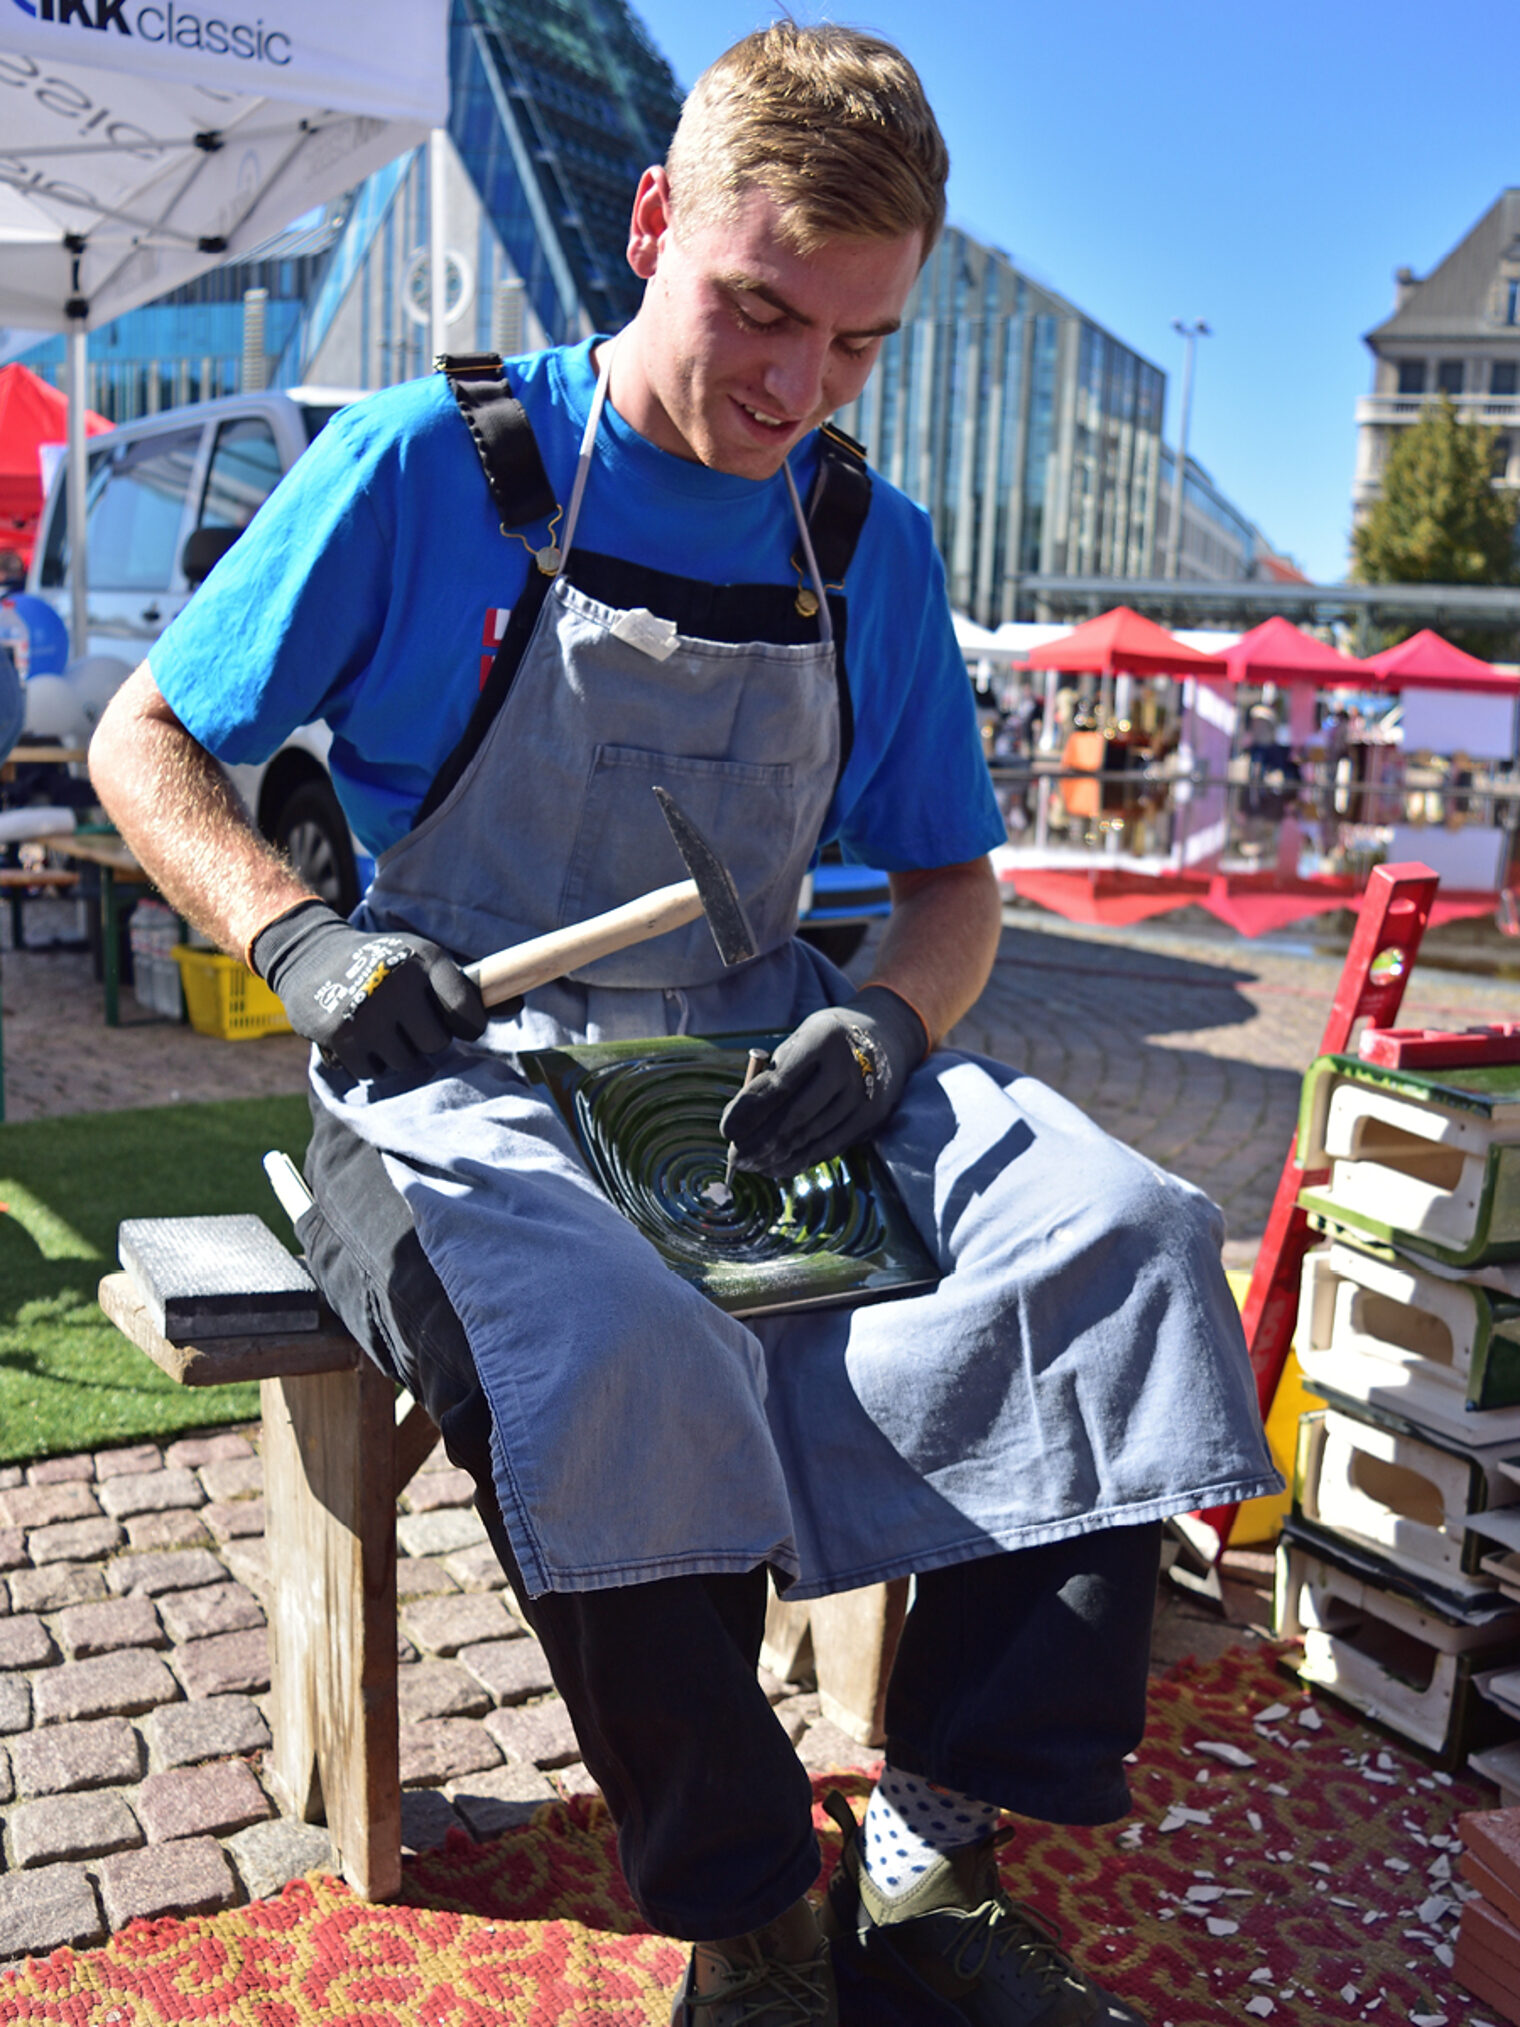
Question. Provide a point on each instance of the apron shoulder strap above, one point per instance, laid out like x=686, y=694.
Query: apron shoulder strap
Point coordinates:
x=502, y=434
x=839, y=501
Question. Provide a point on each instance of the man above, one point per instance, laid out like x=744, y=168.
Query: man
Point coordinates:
x=666, y=612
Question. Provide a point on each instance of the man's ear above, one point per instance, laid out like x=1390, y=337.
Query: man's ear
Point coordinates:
x=650, y=222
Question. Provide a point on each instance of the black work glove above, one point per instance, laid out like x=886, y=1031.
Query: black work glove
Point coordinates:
x=374, y=1002
x=834, y=1081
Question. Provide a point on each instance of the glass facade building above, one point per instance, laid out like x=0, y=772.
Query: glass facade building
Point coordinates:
x=1031, y=435
x=189, y=344
x=1218, y=542
x=558, y=107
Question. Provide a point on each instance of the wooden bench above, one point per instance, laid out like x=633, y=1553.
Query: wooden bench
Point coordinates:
x=336, y=1459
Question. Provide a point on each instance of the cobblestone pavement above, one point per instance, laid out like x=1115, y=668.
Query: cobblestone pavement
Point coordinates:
x=134, y=1673
x=1191, y=1048
x=133, y=1658
x=60, y=1056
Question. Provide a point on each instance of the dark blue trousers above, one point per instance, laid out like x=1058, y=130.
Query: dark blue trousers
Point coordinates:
x=1020, y=1678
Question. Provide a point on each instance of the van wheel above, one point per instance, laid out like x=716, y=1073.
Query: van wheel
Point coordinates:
x=838, y=941
x=311, y=829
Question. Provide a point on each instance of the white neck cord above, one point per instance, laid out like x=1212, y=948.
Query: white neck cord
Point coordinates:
x=588, y=447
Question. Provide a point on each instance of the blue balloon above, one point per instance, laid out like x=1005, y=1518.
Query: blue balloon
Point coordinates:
x=47, y=632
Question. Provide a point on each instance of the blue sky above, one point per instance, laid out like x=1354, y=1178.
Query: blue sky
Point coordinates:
x=1265, y=169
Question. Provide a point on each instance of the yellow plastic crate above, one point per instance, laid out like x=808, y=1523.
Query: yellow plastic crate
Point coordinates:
x=223, y=997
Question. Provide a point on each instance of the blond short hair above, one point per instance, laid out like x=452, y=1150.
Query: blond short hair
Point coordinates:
x=831, y=123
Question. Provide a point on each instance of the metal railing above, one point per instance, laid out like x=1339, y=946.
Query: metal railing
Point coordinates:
x=1409, y=407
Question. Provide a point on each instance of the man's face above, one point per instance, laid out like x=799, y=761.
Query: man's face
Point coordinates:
x=742, y=345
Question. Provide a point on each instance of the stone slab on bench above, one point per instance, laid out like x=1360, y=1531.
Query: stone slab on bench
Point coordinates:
x=217, y=1277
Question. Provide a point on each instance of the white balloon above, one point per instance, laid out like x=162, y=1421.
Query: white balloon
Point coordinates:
x=95, y=681
x=54, y=711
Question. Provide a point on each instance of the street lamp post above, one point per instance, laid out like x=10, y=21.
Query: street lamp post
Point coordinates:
x=438, y=255
x=1189, y=333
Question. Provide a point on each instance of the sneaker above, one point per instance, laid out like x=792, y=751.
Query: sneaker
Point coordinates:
x=956, y=1948
x=737, y=1984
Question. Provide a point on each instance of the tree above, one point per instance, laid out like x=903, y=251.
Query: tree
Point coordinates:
x=1440, y=519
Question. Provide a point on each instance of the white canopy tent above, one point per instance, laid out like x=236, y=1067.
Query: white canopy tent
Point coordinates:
x=146, y=141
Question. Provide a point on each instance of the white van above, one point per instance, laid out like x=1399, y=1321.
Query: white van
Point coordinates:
x=167, y=496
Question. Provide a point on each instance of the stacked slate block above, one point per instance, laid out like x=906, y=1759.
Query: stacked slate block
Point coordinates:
x=1399, y=1566
x=1488, y=1941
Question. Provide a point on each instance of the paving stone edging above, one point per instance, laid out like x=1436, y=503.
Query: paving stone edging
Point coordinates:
x=134, y=1678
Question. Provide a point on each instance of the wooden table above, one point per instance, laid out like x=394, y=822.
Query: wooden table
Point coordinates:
x=106, y=850
x=46, y=756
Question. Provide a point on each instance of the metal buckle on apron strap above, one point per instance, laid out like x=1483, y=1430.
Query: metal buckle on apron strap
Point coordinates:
x=806, y=601
x=550, y=556
x=468, y=365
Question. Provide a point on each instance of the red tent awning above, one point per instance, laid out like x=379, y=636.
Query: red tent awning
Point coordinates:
x=1252, y=904
x=1117, y=900
x=1279, y=652
x=1426, y=662
x=31, y=413
x=1256, y=904
x=1123, y=643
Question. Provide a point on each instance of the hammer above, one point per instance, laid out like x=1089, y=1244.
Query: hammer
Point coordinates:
x=710, y=891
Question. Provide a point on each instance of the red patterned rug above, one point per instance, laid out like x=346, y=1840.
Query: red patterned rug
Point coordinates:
x=1283, y=1863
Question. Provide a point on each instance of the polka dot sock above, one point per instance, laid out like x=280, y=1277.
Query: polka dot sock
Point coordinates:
x=909, y=1822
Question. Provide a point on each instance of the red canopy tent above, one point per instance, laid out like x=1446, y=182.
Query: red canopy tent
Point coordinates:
x=1279, y=652
x=31, y=413
x=1123, y=643
x=1426, y=662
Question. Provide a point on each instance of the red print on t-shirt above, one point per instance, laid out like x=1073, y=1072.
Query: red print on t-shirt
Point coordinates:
x=490, y=640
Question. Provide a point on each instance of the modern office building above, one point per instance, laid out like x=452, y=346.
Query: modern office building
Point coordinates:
x=1455, y=333
x=218, y=334
x=1219, y=543
x=555, y=111
x=1031, y=435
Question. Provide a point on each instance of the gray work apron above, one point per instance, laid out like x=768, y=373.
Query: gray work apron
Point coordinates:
x=1080, y=1365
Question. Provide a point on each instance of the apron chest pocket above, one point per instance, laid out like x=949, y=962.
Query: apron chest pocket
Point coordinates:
x=748, y=811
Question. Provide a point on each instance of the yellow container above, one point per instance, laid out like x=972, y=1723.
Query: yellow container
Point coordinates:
x=1260, y=1520
x=224, y=998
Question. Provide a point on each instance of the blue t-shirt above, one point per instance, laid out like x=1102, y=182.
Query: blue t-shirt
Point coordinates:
x=372, y=588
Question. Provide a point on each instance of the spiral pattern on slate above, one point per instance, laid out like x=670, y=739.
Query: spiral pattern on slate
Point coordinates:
x=651, y=1131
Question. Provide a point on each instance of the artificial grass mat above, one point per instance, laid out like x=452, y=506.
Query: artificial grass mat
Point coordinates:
x=68, y=1379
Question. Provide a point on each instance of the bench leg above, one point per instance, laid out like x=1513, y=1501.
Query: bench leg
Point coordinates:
x=329, y=1476
x=416, y=1439
x=855, y=1636
x=849, y=1641
x=787, y=1650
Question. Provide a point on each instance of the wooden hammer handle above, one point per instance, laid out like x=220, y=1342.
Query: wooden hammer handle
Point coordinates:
x=541, y=958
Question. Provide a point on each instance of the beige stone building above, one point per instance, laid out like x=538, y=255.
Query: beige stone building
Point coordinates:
x=1456, y=332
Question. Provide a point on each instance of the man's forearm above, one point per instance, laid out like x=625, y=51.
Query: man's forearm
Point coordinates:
x=939, y=945
x=182, y=818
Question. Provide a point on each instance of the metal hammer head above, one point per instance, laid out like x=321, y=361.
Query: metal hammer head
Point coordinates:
x=720, y=897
